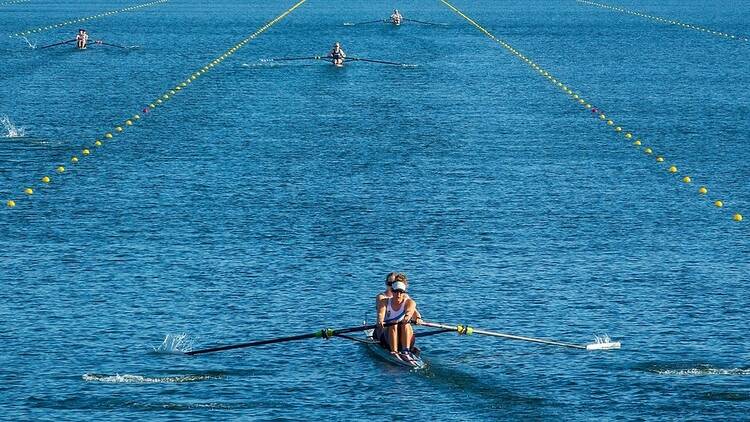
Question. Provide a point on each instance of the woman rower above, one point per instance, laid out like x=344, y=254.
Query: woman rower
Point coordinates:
x=399, y=310
x=81, y=39
x=396, y=18
x=382, y=298
x=337, y=55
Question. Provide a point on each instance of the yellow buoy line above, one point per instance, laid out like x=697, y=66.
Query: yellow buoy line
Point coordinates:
x=8, y=3
x=627, y=135
x=158, y=101
x=86, y=19
x=666, y=21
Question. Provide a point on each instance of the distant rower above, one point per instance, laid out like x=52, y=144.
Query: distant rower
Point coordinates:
x=396, y=17
x=337, y=55
x=82, y=38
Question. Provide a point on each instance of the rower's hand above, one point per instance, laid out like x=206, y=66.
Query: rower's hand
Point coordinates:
x=418, y=321
x=380, y=324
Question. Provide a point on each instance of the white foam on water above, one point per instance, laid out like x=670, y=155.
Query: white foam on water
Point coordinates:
x=703, y=370
x=11, y=130
x=139, y=379
x=175, y=343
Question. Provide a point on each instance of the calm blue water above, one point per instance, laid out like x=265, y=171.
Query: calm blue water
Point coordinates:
x=270, y=199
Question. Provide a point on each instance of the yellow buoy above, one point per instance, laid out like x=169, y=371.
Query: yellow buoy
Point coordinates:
x=74, y=159
x=703, y=190
x=603, y=117
x=108, y=135
x=11, y=203
x=637, y=142
x=28, y=191
x=737, y=217
x=673, y=169
x=60, y=169
x=98, y=143
x=129, y=122
x=610, y=122
x=659, y=159
x=118, y=129
x=86, y=151
x=628, y=135
x=46, y=179
x=719, y=204
x=687, y=179
x=618, y=129
x=648, y=151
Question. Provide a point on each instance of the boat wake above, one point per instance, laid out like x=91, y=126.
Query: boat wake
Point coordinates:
x=263, y=63
x=175, y=344
x=701, y=370
x=139, y=379
x=11, y=130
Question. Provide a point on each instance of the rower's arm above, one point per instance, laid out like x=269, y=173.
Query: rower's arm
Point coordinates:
x=381, y=312
x=411, y=310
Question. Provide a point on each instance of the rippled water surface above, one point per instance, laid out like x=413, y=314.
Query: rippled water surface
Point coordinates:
x=269, y=199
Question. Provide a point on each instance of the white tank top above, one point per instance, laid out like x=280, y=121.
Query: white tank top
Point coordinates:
x=394, y=315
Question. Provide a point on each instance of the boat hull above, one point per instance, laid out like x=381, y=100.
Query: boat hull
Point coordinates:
x=375, y=348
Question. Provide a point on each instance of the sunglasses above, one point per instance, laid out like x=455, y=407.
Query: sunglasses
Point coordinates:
x=399, y=291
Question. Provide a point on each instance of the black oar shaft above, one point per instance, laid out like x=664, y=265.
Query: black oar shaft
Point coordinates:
x=253, y=343
x=366, y=22
x=59, y=43
x=327, y=333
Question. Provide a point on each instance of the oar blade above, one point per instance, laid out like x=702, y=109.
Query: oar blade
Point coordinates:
x=603, y=346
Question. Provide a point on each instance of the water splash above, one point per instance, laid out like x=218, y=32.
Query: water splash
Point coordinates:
x=31, y=45
x=11, y=130
x=175, y=343
x=602, y=338
x=139, y=379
